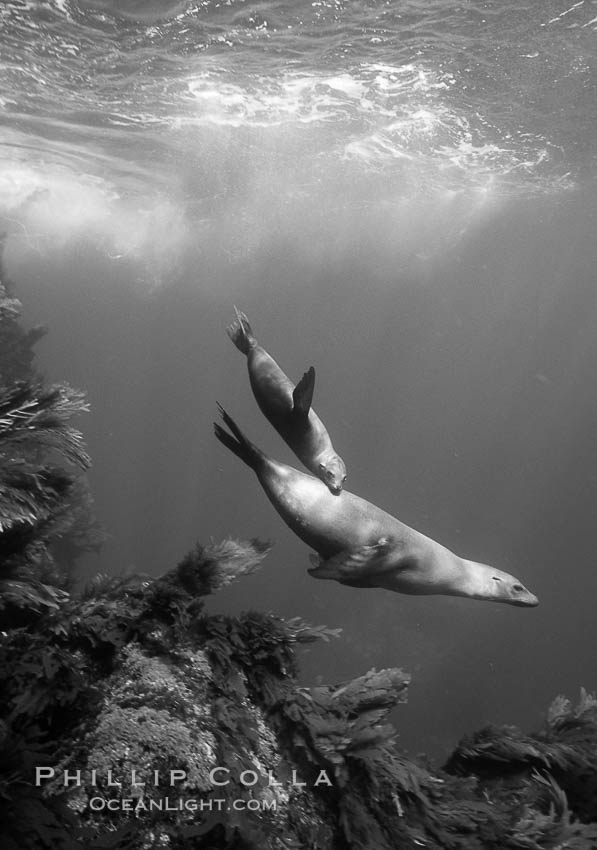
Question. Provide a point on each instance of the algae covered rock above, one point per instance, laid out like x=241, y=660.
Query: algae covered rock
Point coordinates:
x=158, y=725
x=563, y=754
x=161, y=725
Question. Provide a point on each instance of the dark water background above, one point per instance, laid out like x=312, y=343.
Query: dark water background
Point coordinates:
x=401, y=194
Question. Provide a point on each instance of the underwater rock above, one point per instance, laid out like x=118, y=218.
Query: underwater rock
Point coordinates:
x=117, y=689
x=564, y=752
x=158, y=725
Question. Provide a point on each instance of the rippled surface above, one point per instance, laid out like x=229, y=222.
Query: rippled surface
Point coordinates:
x=463, y=91
x=124, y=120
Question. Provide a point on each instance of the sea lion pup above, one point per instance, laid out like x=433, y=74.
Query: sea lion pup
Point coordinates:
x=362, y=546
x=288, y=408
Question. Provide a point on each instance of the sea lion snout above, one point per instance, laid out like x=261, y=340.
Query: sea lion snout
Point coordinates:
x=333, y=474
x=519, y=595
x=529, y=600
x=484, y=582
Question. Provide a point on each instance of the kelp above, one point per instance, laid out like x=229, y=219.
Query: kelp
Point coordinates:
x=40, y=501
x=46, y=513
x=16, y=344
x=564, y=752
x=202, y=571
x=36, y=418
x=28, y=496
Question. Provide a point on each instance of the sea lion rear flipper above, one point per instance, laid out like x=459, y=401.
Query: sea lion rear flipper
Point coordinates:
x=302, y=395
x=241, y=333
x=356, y=567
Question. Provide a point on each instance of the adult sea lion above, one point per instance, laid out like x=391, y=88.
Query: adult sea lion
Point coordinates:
x=362, y=546
x=288, y=408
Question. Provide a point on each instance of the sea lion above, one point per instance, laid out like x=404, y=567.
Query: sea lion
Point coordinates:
x=363, y=546
x=288, y=408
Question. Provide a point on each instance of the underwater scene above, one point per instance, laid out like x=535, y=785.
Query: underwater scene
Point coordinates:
x=298, y=344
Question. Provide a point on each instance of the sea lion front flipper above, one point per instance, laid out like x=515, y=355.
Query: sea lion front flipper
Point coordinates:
x=356, y=567
x=302, y=395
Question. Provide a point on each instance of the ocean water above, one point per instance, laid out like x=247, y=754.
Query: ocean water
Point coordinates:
x=400, y=194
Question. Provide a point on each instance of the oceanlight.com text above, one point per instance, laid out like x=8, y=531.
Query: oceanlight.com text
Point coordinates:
x=192, y=804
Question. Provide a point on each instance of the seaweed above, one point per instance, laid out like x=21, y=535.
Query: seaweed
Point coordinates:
x=34, y=418
x=46, y=512
x=564, y=752
x=16, y=344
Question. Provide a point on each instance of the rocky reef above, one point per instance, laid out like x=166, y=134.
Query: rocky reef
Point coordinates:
x=132, y=718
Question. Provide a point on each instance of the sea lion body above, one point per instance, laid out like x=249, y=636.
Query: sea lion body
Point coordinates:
x=288, y=407
x=363, y=546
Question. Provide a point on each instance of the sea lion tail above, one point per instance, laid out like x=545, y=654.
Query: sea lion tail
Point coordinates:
x=241, y=333
x=237, y=442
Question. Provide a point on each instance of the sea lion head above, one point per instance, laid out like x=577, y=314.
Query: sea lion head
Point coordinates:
x=497, y=586
x=333, y=473
x=514, y=593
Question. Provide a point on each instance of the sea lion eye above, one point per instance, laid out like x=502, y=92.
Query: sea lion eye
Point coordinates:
x=495, y=578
